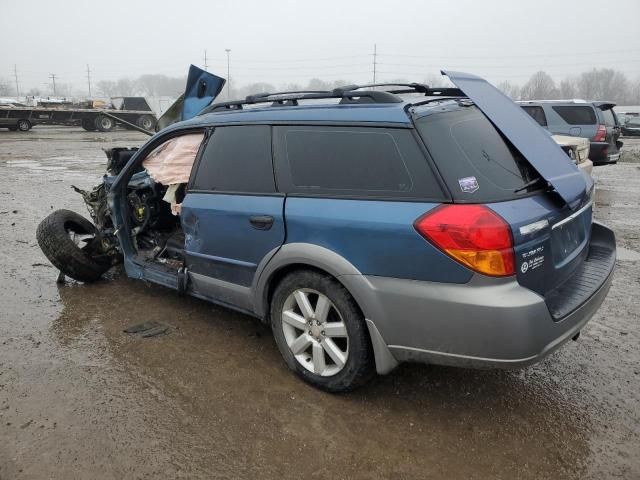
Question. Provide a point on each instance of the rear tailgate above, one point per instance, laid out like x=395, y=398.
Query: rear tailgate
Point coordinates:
x=561, y=255
x=525, y=134
x=552, y=229
x=549, y=242
x=613, y=130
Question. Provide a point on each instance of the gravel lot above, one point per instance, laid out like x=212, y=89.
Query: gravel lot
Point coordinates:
x=212, y=399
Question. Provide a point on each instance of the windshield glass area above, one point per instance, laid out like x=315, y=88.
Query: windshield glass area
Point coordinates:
x=477, y=162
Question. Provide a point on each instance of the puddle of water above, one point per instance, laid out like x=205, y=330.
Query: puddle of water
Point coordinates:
x=35, y=166
x=63, y=158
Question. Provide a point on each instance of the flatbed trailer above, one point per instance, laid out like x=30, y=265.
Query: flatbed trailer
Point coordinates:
x=91, y=119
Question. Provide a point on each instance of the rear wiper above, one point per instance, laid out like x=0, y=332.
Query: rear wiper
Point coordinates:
x=530, y=184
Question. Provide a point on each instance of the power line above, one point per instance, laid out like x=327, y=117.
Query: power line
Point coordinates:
x=302, y=60
x=512, y=66
x=205, y=60
x=536, y=55
x=297, y=69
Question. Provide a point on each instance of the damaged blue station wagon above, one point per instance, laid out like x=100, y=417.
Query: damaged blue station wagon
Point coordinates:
x=367, y=226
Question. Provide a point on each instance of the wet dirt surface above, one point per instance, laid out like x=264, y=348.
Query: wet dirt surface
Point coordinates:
x=79, y=398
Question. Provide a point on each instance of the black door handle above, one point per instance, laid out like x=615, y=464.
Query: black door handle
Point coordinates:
x=261, y=222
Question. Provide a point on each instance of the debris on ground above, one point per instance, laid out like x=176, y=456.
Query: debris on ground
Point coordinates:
x=147, y=329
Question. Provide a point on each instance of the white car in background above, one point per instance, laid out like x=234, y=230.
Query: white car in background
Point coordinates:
x=578, y=150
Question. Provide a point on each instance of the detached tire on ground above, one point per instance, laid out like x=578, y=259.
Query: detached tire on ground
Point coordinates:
x=58, y=236
x=321, y=332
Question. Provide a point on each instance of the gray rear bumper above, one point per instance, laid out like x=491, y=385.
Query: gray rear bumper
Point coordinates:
x=486, y=323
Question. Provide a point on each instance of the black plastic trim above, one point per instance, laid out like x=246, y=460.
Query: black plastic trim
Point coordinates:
x=588, y=277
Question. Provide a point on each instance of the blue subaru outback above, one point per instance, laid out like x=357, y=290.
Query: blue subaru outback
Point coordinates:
x=368, y=225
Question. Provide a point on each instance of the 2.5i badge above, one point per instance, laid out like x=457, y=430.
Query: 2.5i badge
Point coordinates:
x=468, y=184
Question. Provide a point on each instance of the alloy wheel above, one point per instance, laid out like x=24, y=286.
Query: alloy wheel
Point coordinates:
x=315, y=332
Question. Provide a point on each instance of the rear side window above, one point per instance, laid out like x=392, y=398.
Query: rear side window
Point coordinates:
x=576, y=114
x=237, y=159
x=477, y=163
x=352, y=161
x=537, y=113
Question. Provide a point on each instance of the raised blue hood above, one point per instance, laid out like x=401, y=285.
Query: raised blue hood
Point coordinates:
x=202, y=88
x=533, y=142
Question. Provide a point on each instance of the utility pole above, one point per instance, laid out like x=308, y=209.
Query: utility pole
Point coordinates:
x=15, y=73
x=375, y=61
x=89, y=79
x=52, y=76
x=205, y=60
x=228, y=50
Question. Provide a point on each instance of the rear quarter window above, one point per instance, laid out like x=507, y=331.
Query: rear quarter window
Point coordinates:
x=352, y=161
x=537, y=113
x=576, y=114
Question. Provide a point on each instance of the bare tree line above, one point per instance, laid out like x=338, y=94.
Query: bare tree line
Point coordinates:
x=596, y=84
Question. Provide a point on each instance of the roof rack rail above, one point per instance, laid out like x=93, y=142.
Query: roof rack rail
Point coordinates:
x=291, y=98
x=256, y=96
x=409, y=88
x=348, y=94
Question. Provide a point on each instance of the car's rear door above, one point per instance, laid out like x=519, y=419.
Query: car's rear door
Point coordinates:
x=232, y=216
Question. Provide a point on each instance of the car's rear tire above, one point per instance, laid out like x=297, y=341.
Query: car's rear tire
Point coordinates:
x=59, y=235
x=104, y=123
x=321, y=332
x=23, y=125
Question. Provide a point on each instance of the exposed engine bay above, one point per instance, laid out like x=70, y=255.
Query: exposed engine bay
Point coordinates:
x=155, y=230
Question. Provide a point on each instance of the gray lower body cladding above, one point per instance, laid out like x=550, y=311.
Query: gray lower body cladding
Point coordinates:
x=486, y=323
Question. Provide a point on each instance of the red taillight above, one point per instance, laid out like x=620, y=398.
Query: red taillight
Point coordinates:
x=474, y=235
x=601, y=134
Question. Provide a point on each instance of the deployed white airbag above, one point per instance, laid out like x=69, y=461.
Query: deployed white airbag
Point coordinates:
x=172, y=161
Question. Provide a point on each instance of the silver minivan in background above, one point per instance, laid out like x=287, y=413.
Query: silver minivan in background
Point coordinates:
x=594, y=120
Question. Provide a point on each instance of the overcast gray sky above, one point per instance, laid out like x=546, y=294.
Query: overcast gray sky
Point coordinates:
x=286, y=41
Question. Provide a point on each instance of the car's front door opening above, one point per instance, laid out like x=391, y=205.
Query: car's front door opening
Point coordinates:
x=155, y=203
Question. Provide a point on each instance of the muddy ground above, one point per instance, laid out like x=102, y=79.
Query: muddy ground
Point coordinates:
x=212, y=399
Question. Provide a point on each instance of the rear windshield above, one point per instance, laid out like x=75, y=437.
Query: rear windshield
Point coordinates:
x=476, y=161
x=576, y=114
x=609, y=119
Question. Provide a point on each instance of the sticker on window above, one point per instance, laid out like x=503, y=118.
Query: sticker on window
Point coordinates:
x=468, y=184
